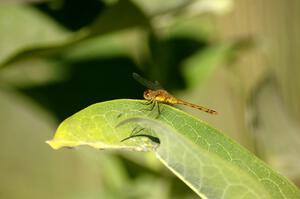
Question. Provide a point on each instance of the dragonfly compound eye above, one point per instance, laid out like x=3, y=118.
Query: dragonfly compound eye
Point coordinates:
x=147, y=94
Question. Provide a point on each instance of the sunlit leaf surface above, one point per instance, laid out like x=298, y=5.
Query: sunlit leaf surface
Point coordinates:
x=207, y=161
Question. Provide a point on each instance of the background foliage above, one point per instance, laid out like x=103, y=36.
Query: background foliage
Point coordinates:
x=60, y=56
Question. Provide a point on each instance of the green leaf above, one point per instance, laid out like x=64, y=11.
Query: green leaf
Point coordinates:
x=206, y=160
x=31, y=45
x=122, y=15
x=23, y=27
x=199, y=66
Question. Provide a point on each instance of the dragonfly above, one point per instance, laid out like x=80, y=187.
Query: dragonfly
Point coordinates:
x=155, y=94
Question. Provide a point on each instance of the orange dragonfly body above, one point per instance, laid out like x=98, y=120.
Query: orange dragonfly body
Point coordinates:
x=157, y=94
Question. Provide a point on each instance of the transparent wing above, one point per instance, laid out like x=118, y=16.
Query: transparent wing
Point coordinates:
x=149, y=84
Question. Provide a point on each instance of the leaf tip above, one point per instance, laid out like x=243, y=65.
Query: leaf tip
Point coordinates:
x=53, y=144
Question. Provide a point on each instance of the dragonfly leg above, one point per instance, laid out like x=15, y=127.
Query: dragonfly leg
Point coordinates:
x=152, y=103
x=158, y=108
x=148, y=102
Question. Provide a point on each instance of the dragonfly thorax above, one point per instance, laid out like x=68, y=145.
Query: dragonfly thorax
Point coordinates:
x=158, y=95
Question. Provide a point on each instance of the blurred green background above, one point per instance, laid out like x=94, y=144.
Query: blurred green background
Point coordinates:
x=240, y=58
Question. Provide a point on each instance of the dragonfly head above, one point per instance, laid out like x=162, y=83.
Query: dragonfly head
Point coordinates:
x=148, y=94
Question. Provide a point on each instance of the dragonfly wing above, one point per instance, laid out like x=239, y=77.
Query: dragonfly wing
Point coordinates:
x=149, y=84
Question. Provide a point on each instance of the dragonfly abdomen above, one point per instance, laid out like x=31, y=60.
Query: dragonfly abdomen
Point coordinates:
x=201, y=108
